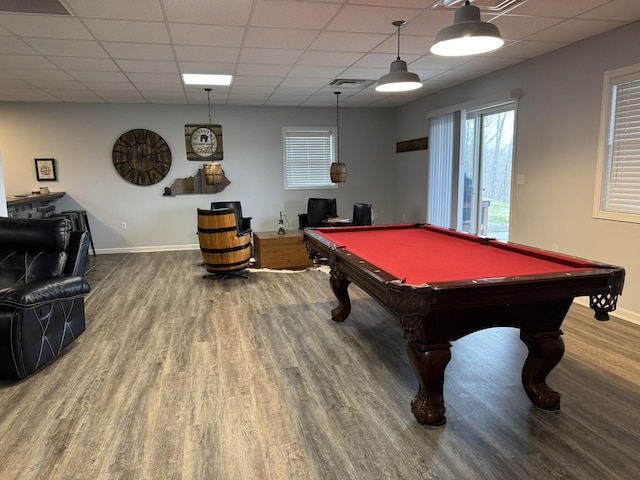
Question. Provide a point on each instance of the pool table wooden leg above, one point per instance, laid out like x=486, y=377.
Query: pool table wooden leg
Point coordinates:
x=545, y=351
x=339, y=286
x=429, y=363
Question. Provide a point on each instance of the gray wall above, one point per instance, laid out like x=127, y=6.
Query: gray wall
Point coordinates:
x=556, y=147
x=81, y=137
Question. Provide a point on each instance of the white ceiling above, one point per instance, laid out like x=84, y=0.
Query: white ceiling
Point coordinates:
x=281, y=52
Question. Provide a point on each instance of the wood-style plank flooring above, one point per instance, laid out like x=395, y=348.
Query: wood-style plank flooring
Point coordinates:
x=180, y=377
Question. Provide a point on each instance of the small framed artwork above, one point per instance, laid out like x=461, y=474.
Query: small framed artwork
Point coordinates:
x=46, y=169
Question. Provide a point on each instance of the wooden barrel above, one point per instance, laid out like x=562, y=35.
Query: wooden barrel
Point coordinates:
x=338, y=172
x=223, y=251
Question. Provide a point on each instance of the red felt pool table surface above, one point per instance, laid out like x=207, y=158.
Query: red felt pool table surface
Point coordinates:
x=431, y=254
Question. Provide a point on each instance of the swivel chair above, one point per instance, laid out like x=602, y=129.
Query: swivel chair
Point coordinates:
x=318, y=209
x=362, y=214
x=244, y=223
x=226, y=251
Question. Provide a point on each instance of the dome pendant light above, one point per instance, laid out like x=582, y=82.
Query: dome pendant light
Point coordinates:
x=213, y=173
x=338, y=170
x=468, y=35
x=398, y=79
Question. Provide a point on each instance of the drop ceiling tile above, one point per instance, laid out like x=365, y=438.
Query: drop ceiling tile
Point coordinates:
x=84, y=76
x=368, y=19
x=61, y=84
x=347, y=42
x=256, y=81
x=269, y=55
x=220, y=12
x=158, y=87
x=15, y=46
x=517, y=27
x=381, y=60
x=128, y=31
x=44, y=26
x=117, y=9
x=279, y=38
x=207, y=67
x=164, y=78
x=363, y=73
x=292, y=14
x=409, y=44
x=487, y=64
x=25, y=61
x=297, y=91
x=555, y=8
x=428, y=23
x=305, y=71
x=36, y=74
x=111, y=95
x=332, y=59
x=208, y=35
x=621, y=10
x=433, y=62
x=305, y=82
x=263, y=70
x=67, y=48
x=110, y=86
x=138, y=51
x=164, y=99
x=81, y=63
x=207, y=54
x=148, y=66
x=65, y=92
x=250, y=89
x=573, y=30
x=528, y=49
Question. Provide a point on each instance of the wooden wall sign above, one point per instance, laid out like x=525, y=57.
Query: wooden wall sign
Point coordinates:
x=202, y=140
x=411, y=145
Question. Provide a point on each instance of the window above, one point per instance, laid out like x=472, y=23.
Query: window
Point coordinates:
x=618, y=182
x=308, y=155
x=470, y=164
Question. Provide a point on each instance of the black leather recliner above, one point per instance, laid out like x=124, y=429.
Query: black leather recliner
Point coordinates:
x=318, y=209
x=243, y=223
x=42, y=289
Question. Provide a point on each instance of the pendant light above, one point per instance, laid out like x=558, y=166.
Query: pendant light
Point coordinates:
x=468, y=35
x=338, y=170
x=399, y=79
x=213, y=173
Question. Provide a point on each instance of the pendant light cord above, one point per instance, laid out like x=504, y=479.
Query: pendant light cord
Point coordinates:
x=399, y=23
x=208, y=90
x=337, y=126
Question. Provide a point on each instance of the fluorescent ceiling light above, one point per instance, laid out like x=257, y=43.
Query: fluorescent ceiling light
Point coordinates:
x=204, y=79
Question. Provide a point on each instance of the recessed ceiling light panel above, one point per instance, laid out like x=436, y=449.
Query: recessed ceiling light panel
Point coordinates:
x=206, y=79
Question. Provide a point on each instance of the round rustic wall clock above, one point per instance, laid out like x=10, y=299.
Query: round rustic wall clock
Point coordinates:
x=141, y=157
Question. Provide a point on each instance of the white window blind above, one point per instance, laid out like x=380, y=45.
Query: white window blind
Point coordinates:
x=441, y=161
x=619, y=157
x=308, y=154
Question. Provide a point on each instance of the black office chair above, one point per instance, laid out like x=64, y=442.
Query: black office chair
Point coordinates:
x=362, y=214
x=243, y=223
x=318, y=209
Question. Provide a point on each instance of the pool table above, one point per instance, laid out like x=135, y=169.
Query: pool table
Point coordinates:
x=442, y=285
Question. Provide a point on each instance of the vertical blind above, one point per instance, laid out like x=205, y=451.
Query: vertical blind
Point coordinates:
x=621, y=192
x=440, y=170
x=308, y=155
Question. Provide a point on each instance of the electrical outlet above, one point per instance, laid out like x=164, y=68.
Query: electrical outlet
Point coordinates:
x=555, y=247
x=123, y=225
x=519, y=179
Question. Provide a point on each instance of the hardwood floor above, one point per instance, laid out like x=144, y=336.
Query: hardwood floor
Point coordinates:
x=180, y=377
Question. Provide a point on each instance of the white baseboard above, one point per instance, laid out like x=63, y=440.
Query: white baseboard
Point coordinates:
x=160, y=248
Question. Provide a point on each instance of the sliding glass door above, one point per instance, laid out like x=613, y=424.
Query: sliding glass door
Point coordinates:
x=486, y=166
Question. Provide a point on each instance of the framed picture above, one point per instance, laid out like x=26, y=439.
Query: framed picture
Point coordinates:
x=46, y=169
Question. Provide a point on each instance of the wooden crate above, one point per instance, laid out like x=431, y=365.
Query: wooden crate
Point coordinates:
x=280, y=252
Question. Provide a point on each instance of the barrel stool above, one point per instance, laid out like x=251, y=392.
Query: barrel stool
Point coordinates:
x=80, y=221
